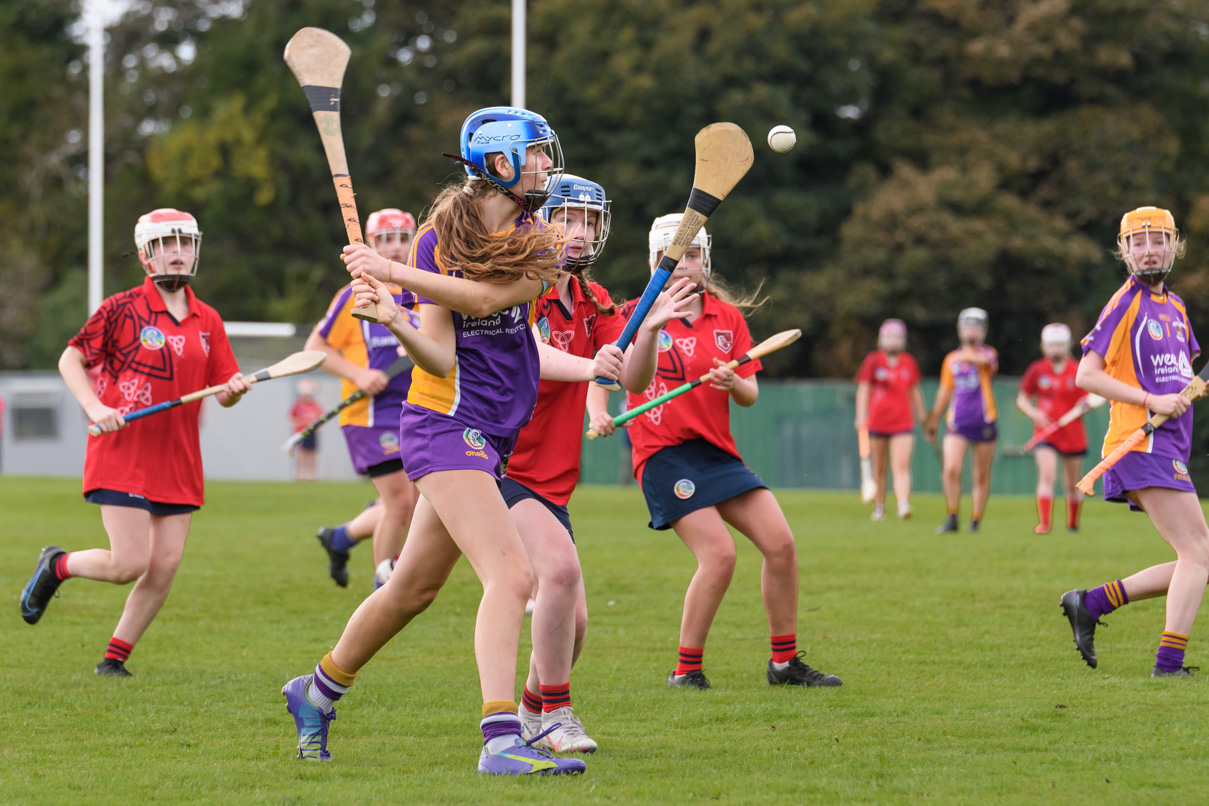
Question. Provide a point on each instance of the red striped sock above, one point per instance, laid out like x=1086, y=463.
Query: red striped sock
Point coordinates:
x=690, y=660
x=531, y=701
x=60, y=568
x=555, y=697
x=118, y=649
x=784, y=647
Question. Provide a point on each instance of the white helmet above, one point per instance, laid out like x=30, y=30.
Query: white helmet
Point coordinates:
x=663, y=229
x=974, y=317
x=155, y=235
x=1056, y=334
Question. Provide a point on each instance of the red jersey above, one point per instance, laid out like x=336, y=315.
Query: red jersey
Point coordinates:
x=686, y=352
x=1057, y=394
x=889, y=391
x=547, y=453
x=303, y=413
x=147, y=357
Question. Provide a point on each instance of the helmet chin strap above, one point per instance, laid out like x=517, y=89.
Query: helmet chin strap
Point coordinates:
x=171, y=282
x=523, y=203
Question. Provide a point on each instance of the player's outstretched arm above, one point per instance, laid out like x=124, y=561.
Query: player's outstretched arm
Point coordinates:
x=642, y=357
x=434, y=350
x=559, y=366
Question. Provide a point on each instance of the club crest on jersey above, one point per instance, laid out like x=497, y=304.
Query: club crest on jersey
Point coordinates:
x=205, y=340
x=1155, y=330
x=543, y=329
x=665, y=341
x=389, y=442
x=687, y=345
x=1179, y=330
x=880, y=374
x=589, y=325
x=684, y=489
x=474, y=438
x=725, y=339
x=1044, y=382
x=152, y=338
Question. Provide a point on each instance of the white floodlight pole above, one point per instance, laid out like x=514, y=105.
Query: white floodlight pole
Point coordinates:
x=518, y=54
x=96, y=153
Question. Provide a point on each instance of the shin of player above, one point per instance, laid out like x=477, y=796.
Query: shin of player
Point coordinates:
x=696, y=483
x=1139, y=355
x=965, y=391
x=888, y=404
x=1050, y=381
x=359, y=352
x=579, y=319
x=152, y=343
x=473, y=388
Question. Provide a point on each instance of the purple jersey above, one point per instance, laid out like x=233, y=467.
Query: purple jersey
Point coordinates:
x=371, y=345
x=1147, y=342
x=493, y=385
x=973, y=402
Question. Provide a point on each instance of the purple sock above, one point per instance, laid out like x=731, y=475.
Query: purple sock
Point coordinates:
x=340, y=539
x=1171, y=651
x=500, y=731
x=1105, y=599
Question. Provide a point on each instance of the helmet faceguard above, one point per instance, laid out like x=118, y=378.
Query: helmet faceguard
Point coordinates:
x=892, y=336
x=510, y=131
x=973, y=317
x=383, y=224
x=169, y=247
x=1055, y=340
x=1149, y=243
x=663, y=229
x=572, y=193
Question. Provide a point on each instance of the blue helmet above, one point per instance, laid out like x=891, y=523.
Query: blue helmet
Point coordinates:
x=509, y=131
x=574, y=192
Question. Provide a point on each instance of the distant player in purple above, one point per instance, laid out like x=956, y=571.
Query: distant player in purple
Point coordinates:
x=1139, y=356
x=473, y=388
x=965, y=390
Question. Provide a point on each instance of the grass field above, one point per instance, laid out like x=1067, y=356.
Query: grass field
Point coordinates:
x=961, y=684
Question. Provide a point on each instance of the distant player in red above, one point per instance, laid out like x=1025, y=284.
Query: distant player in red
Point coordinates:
x=1051, y=381
x=579, y=319
x=304, y=412
x=694, y=480
x=156, y=342
x=888, y=404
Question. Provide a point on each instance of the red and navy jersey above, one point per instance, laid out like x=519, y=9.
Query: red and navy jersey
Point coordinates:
x=890, y=388
x=147, y=357
x=547, y=453
x=686, y=352
x=1057, y=394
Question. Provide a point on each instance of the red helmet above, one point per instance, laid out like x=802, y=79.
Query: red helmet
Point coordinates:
x=389, y=219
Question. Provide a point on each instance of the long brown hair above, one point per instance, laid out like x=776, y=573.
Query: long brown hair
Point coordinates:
x=465, y=244
x=718, y=289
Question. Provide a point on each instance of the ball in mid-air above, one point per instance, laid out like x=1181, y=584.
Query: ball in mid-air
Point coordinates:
x=781, y=139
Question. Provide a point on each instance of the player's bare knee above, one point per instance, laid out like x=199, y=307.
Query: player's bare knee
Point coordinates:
x=563, y=574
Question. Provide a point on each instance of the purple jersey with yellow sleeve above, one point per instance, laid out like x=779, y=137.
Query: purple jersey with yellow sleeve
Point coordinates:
x=493, y=384
x=1147, y=342
x=367, y=344
x=973, y=403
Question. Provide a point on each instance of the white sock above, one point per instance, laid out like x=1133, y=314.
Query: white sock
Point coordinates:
x=779, y=666
x=318, y=699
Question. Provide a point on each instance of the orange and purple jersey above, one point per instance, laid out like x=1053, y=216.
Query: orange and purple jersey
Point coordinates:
x=368, y=344
x=973, y=402
x=493, y=384
x=1147, y=342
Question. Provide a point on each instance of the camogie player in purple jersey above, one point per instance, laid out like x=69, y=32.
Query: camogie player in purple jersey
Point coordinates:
x=965, y=390
x=360, y=352
x=473, y=388
x=1139, y=356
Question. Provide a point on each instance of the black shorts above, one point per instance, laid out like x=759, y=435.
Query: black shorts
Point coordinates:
x=1062, y=453
x=309, y=442
x=514, y=492
x=384, y=468
x=114, y=498
x=690, y=476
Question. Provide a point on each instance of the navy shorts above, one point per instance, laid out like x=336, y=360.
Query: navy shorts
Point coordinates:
x=514, y=492
x=309, y=442
x=690, y=476
x=114, y=498
x=889, y=434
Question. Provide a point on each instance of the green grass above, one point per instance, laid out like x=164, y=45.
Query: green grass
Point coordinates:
x=961, y=684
